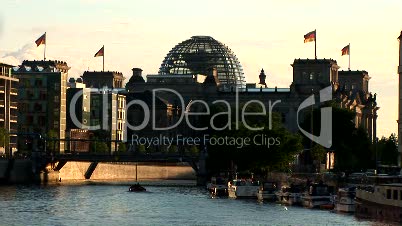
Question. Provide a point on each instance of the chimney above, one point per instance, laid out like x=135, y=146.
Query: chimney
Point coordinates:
x=137, y=72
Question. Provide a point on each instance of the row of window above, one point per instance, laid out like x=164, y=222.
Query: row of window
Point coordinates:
x=393, y=194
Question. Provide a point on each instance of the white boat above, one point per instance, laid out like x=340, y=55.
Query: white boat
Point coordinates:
x=345, y=200
x=382, y=202
x=290, y=195
x=318, y=196
x=267, y=191
x=241, y=188
x=218, y=186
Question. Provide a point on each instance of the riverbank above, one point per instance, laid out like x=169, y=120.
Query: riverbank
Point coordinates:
x=20, y=171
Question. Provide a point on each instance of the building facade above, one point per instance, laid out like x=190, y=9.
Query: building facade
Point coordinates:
x=42, y=99
x=8, y=108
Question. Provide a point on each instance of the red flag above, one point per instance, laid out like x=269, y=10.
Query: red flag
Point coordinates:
x=100, y=52
x=345, y=50
x=41, y=40
x=309, y=37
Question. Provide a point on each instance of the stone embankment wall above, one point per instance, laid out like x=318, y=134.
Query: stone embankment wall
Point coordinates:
x=127, y=171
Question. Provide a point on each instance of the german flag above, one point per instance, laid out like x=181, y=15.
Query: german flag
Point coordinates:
x=309, y=37
x=100, y=52
x=41, y=40
x=346, y=50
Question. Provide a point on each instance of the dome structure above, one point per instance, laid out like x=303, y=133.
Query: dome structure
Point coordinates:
x=198, y=55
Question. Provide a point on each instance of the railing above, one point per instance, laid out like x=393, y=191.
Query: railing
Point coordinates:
x=2, y=89
x=13, y=118
x=1, y=103
x=1, y=117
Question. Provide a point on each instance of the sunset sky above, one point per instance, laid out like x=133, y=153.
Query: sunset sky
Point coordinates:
x=263, y=34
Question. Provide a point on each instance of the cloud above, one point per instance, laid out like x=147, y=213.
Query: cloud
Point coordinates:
x=31, y=52
x=27, y=52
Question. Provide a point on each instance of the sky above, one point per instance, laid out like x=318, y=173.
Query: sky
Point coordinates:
x=262, y=33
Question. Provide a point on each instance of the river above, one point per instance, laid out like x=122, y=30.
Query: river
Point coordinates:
x=112, y=204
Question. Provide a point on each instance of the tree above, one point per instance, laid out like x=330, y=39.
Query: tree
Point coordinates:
x=387, y=150
x=266, y=150
x=351, y=145
x=122, y=147
x=52, y=140
x=318, y=153
x=4, y=139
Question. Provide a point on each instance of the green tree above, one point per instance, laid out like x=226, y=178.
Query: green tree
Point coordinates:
x=141, y=148
x=352, y=146
x=122, y=147
x=387, y=150
x=99, y=147
x=52, y=140
x=4, y=139
x=318, y=154
x=267, y=149
x=172, y=149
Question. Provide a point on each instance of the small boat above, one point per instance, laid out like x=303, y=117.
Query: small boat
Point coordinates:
x=243, y=188
x=345, y=200
x=218, y=186
x=318, y=195
x=290, y=195
x=136, y=188
x=267, y=191
x=382, y=202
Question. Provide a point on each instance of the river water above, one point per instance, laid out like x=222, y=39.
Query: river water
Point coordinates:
x=111, y=204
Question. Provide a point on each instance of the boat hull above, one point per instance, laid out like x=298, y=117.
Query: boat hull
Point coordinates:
x=367, y=209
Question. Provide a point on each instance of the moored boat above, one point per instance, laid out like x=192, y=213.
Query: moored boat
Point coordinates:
x=290, y=195
x=267, y=191
x=382, y=202
x=318, y=195
x=345, y=200
x=218, y=186
x=241, y=188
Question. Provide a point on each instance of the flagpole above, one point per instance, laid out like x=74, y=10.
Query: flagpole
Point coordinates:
x=44, y=51
x=103, y=57
x=349, y=57
x=315, y=44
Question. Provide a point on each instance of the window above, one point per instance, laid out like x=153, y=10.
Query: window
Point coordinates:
x=311, y=76
x=400, y=195
x=395, y=195
x=388, y=193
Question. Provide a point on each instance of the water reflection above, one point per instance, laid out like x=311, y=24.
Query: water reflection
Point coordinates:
x=114, y=205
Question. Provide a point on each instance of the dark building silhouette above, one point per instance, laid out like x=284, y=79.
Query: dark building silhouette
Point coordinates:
x=100, y=79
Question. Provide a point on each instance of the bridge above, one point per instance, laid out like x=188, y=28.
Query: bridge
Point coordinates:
x=42, y=158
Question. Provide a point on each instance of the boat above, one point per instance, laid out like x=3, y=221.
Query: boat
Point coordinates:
x=136, y=188
x=317, y=195
x=345, y=200
x=381, y=202
x=243, y=188
x=267, y=191
x=218, y=186
x=290, y=195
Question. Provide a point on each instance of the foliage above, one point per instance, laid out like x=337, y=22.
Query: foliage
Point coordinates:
x=351, y=145
x=141, y=148
x=387, y=150
x=3, y=137
x=100, y=141
x=99, y=147
x=194, y=150
x=122, y=147
x=172, y=149
x=267, y=149
x=52, y=140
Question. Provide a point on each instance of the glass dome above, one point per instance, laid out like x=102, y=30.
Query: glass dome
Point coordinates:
x=198, y=55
